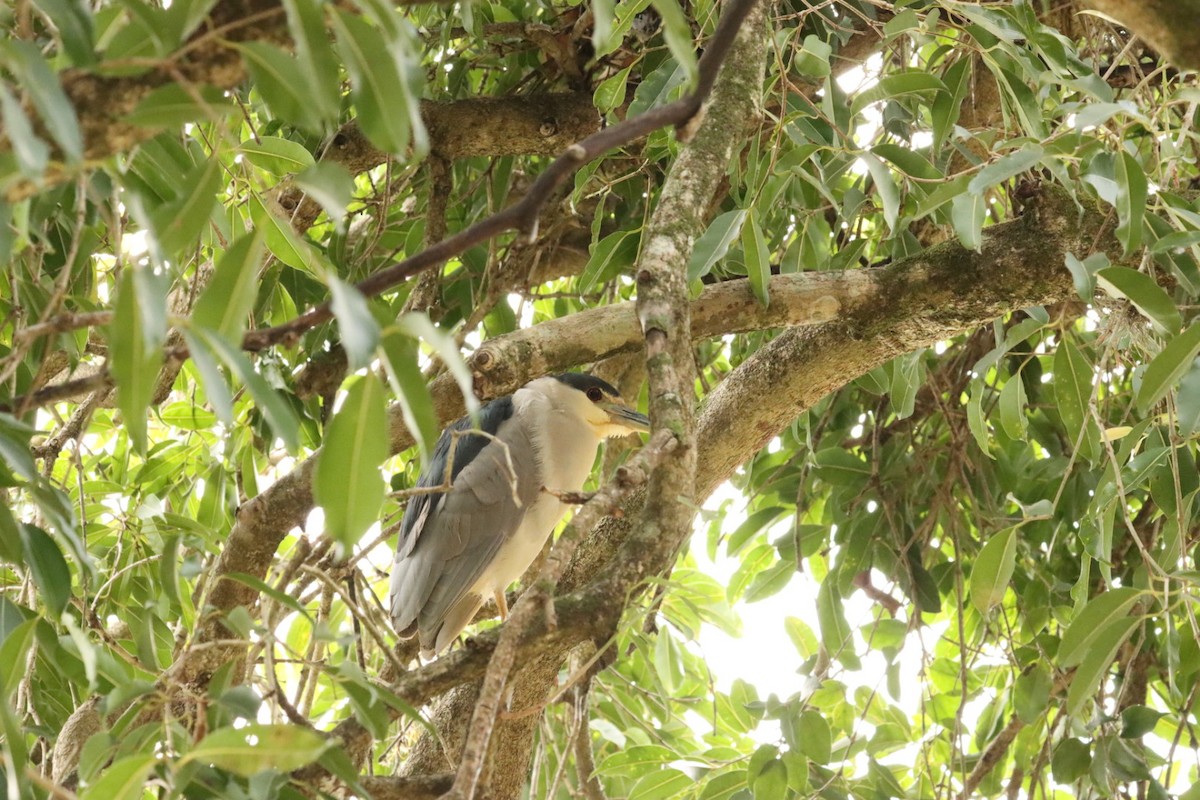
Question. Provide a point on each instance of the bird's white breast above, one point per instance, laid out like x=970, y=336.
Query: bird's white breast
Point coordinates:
x=567, y=449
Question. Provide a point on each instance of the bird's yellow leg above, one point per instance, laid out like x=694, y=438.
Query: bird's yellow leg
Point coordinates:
x=501, y=603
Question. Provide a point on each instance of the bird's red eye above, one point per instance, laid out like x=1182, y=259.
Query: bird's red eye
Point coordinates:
x=595, y=395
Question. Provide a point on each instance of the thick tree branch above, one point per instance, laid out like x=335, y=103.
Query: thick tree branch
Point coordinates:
x=521, y=215
x=1172, y=27
x=506, y=362
x=662, y=308
x=489, y=127
x=942, y=292
x=939, y=294
x=423, y=787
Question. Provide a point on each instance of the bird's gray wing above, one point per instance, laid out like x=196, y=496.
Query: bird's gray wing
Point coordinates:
x=462, y=535
x=466, y=447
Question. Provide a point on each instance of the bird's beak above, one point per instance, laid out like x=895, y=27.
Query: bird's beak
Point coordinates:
x=626, y=417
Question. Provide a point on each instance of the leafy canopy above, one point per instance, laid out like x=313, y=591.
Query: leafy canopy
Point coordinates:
x=999, y=530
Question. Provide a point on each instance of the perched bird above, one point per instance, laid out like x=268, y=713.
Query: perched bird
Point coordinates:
x=461, y=546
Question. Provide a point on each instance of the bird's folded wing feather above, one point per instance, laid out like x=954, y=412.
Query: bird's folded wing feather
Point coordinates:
x=463, y=534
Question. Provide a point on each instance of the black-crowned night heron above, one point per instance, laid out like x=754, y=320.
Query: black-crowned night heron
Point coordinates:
x=461, y=546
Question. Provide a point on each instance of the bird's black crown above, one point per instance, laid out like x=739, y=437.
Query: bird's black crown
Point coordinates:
x=583, y=382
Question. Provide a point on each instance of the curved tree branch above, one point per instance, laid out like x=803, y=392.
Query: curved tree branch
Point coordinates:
x=1170, y=26
x=939, y=294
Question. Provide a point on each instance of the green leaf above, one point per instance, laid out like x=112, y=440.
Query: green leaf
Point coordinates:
x=993, y=570
x=751, y=526
x=14, y=447
x=50, y=571
x=714, y=243
x=135, y=338
x=770, y=581
x=813, y=57
x=668, y=662
x=259, y=585
x=890, y=87
x=399, y=356
x=357, y=326
x=661, y=783
x=602, y=28
x=10, y=538
x=178, y=223
x=907, y=161
x=346, y=481
x=25, y=62
x=1132, y=187
x=1187, y=402
x=279, y=79
x=841, y=468
x=885, y=187
x=678, y=33
x=947, y=106
x=976, y=422
x=187, y=416
x=31, y=153
x=1096, y=661
x=813, y=736
x=1137, y=721
x=173, y=105
x=215, y=385
x=293, y=250
x=254, y=748
x=802, y=636
x=1084, y=273
x=967, y=215
x=14, y=755
x=315, y=55
x=1178, y=240
x=72, y=20
x=374, y=78
x=904, y=21
x=611, y=256
x=1032, y=694
x=1012, y=408
x=610, y=94
x=1007, y=167
x=1101, y=611
x=634, y=760
x=771, y=783
x=14, y=649
x=758, y=260
x=1073, y=394
x=124, y=779
x=1168, y=367
x=723, y=785
x=277, y=156
x=836, y=634
x=225, y=305
x=278, y=413
x=418, y=326
x=1070, y=761
x=907, y=377
x=330, y=185
x=1146, y=295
